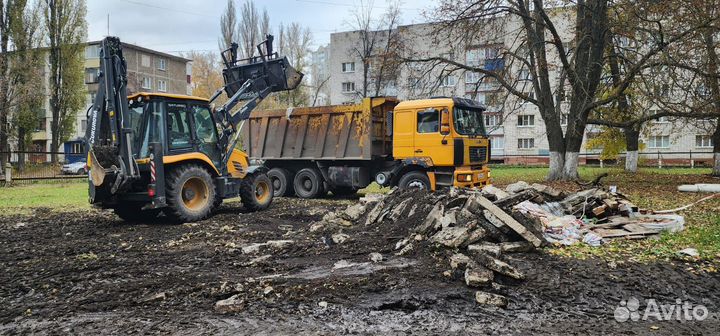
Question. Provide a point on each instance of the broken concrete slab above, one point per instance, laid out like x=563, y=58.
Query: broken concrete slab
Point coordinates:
x=498, y=266
x=475, y=236
x=486, y=298
x=273, y=244
x=340, y=238
x=451, y=236
x=398, y=210
x=478, y=276
x=517, y=187
x=508, y=220
x=375, y=257
x=232, y=304
x=496, y=192
x=513, y=247
x=486, y=248
x=375, y=213
x=459, y=261
x=353, y=212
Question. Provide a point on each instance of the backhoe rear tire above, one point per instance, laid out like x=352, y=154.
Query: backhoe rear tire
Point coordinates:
x=132, y=212
x=282, y=182
x=256, y=192
x=309, y=183
x=190, y=194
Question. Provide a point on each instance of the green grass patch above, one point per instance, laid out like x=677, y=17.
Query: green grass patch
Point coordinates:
x=60, y=197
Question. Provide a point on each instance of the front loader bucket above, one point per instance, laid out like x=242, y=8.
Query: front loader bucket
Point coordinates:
x=278, y=73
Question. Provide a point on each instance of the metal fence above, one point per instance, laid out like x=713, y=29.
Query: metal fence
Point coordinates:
x=38, y=166
x=658, y=159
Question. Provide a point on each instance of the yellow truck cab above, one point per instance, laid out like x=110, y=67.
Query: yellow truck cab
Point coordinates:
x=447, y=136
x=426, y=144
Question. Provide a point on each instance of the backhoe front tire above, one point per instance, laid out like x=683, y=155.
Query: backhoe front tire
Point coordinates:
x=190, y=193
x=282, y=182
x=256, y=192
x=132, y=212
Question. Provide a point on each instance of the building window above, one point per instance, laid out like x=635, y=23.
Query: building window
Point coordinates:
x=526, y=143
x=91, y=75
x=659, y=141
x=703, y=141
x=497, y=142
x=92, y=51
x=472, y=77
x=564, y=119
x=162, y=85
x=428, y=121
x=348, y=87
x=147, y=83
x=145, y=60
x=448, y=81
x=348, y=67
x=473, y=57
x=493, y=120
x=525, y=75
x=162, y=64
x=526, y=120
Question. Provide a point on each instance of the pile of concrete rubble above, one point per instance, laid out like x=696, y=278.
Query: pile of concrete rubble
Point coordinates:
x=478, y=228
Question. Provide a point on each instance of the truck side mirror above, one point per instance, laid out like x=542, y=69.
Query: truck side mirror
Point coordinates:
x=445, y=122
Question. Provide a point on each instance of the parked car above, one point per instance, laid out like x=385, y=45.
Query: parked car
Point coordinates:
x=75, y=168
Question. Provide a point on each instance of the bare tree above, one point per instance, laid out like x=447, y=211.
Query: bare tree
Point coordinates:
x=377, y=46
x=66, y=33
x=228, y=26
x=253, y=26
x=536, y=49
x=294, y=43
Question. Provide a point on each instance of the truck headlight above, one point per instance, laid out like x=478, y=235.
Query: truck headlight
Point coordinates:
x=464, y=177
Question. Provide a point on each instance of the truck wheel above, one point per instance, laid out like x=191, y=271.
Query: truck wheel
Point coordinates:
x=308, y=183
x=132, y=212
x=256, y=192
x=190, y=194
x=415, y=180
x=281, y=180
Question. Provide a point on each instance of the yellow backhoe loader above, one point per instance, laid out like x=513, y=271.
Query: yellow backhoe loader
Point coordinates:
x=150, y=153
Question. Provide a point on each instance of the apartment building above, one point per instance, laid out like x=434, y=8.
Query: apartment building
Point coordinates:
x=148, y=71
x=516, y=129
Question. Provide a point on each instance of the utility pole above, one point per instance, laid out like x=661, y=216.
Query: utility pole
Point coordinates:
x=108, y=25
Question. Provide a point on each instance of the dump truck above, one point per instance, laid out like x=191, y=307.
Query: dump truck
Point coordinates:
x=425, y=144
x=153, y=153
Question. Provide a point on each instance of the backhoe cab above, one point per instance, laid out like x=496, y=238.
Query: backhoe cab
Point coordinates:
x=151, y=153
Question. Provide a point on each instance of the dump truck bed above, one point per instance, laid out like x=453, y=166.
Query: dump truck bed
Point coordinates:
x=340, y=132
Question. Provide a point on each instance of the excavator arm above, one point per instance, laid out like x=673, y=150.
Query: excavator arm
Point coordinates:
x=109, y=134
x=249, y=81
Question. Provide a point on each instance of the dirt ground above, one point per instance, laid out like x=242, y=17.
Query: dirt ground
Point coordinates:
x=91, y=273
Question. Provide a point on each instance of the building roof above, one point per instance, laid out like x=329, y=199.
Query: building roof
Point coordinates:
x=167, y=95
x=147, y=50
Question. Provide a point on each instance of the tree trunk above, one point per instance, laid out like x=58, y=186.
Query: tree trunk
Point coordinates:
x=21, y=148
x=716, y=149
x=632, y=144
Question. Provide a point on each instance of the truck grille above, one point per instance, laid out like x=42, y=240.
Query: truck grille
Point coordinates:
x=478, y=154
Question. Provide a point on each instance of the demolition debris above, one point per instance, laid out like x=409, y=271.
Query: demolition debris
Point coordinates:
x=475, y=229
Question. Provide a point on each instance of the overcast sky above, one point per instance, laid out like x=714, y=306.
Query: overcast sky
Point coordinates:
x=182, y=25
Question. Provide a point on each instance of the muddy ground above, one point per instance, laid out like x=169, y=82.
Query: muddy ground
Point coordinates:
x=91, y=273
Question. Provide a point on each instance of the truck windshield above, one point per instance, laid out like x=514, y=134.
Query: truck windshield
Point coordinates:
x=468, y=122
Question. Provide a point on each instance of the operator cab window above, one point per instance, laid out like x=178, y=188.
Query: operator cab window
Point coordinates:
x=204, y=126
x=178, y=126
x=428, y=121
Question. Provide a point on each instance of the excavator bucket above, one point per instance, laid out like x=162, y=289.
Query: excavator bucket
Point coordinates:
x=278, y=73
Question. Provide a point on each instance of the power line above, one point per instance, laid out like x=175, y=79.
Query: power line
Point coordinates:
x=168, y=9
x=350, y=5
